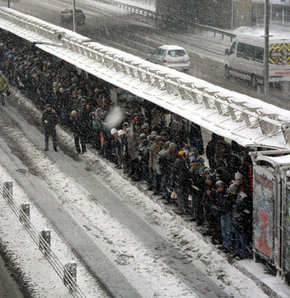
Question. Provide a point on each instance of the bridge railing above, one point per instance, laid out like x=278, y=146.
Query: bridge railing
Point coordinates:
x=152, y=14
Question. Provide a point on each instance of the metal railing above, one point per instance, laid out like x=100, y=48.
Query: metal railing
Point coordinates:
x=38, y=239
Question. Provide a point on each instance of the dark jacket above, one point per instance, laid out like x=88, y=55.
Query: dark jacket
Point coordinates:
x=143, y=152
x=166, y=162
x=49, y=120
x=76, y=126
x=241, y=215
x=180, y=176
x=224, y=202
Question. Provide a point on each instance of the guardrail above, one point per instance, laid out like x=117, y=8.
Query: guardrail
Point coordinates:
x=151, y=14
x=39, y=239
x=188, y=89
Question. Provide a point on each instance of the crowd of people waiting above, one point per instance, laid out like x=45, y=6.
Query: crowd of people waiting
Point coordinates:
x=213, y=186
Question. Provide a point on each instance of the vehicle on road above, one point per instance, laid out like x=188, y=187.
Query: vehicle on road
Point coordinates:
x=171, y=56
x=245, y=58
x=66, y=16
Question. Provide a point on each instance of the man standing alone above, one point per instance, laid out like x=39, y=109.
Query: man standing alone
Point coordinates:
x=49, y=121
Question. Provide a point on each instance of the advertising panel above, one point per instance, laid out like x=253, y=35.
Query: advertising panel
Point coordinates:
x=286, y=224
x=264, y=212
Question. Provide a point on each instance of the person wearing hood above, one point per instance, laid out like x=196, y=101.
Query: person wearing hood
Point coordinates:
x=49, y=121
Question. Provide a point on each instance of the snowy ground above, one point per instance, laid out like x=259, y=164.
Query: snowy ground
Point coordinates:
x=42, y=280
x=136, y=261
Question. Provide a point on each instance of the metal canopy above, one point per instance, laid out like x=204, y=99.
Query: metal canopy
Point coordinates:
x=244, y=119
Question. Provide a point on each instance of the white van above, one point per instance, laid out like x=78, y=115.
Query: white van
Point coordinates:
x=245, y=60
x=171, y=56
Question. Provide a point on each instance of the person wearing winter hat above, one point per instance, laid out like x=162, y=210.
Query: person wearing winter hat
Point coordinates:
x=49, y=121
x=180, y=180
x=242, y=183
x=114, y=146
x=114, y=132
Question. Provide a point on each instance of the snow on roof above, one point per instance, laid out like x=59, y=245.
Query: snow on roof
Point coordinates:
x=203, y=103
x=171, y=47
x=259, y=33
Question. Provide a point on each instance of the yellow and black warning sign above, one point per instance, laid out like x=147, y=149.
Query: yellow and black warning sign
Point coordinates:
x=280, y=53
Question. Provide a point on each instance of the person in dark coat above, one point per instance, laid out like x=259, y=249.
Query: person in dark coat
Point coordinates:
x=210, y=151
x=85, y=118
x=240, y=218
x=196, y=188
x=225, y=203
x=78, y=131
x=180, y=180
x=49, y=121
x=166, y=161
x=143, y=156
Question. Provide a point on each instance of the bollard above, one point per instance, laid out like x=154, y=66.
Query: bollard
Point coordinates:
x=70, y=275
x=8, y=190
x=24, y=215
x=44, y=241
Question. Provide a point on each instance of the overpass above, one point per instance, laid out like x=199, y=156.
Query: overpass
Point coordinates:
x=246, y=120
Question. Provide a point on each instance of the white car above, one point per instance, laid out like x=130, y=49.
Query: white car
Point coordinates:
x=171, y=56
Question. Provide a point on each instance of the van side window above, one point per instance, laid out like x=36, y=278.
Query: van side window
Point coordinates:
x=259, y=54
x=246, y=51
x=233, y=48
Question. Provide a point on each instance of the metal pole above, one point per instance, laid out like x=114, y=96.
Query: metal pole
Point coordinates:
x=8, y=3
x=266, y=52
x=74, y=15
x=232, y=16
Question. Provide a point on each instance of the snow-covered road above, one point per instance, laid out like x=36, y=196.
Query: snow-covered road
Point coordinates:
x=155, y=252
x=115, y=27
